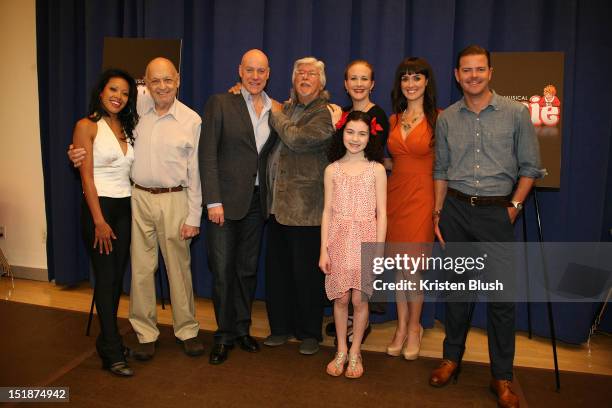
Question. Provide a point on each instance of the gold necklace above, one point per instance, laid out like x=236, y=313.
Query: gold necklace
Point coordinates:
x=408, y=123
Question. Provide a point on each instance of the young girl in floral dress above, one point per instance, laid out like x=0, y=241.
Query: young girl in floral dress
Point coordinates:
x=354, y=212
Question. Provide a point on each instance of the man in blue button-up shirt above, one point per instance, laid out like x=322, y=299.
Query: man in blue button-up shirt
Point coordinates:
x=484, y=144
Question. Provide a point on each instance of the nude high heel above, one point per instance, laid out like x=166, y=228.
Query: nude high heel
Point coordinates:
x=396, y=351
x=410, y=351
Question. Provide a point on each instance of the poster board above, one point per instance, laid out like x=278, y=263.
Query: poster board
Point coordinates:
x=535, y=79
x=133, y=55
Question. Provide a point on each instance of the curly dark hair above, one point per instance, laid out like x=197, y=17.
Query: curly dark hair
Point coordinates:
x=128, y=115
x=416, y=65
x=373, y=150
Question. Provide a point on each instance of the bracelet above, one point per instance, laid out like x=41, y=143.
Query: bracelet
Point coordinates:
x=436, y=213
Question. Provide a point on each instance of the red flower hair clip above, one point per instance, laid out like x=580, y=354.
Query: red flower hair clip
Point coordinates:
x=342, y=121
x=374, y=127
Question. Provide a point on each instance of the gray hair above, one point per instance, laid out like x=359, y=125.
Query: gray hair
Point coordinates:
x=320, y=65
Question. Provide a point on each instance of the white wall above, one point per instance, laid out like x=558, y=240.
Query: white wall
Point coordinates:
x=22, y=205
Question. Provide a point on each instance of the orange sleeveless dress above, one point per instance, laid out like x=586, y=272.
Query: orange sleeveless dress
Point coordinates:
x=410, y=187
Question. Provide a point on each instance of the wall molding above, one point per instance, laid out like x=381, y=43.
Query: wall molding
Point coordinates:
x=25, y=272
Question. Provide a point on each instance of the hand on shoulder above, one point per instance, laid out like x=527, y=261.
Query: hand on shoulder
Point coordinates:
x=276, y=106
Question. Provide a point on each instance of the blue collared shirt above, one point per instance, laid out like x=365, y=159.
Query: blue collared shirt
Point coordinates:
x=261, y=127
x=484, y=154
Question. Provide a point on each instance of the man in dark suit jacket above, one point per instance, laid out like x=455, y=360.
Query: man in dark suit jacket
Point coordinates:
x=236, y=139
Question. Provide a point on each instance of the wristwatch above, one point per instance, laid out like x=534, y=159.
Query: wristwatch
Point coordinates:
x=517, y=204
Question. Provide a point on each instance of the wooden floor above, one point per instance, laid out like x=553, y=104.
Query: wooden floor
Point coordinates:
x=595, y=358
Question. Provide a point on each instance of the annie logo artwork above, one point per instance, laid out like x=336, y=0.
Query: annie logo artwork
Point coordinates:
x=545, y=110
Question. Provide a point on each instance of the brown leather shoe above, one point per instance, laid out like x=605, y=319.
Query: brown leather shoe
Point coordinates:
x=193, y=347
x=505, y=397
x=144, y=351
x=441, y=375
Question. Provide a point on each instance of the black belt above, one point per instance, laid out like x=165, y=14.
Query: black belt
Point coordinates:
x=159, y=190
x=481, y=201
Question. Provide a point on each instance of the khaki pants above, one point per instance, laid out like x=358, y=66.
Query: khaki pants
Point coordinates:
x=157, y=220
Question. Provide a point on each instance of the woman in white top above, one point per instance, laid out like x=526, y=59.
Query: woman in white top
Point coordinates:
x=106, y=214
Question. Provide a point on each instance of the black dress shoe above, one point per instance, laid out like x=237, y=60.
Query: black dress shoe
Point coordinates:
x=219, y=353
x=120, y=368
x=247, y=343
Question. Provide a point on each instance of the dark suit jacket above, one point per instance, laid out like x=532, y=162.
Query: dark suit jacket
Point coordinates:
x=228, y=156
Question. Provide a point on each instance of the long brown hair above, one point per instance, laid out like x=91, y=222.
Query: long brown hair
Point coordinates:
x=416, y=65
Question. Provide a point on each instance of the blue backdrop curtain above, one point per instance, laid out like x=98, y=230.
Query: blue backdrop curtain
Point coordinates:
x=215, y=34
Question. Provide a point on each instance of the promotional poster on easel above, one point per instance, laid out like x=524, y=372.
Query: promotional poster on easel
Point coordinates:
x=535, y=79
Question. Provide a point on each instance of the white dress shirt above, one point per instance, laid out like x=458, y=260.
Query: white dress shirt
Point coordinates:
x=166, y=151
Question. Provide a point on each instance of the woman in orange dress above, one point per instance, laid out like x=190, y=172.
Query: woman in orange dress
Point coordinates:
x=410, y=189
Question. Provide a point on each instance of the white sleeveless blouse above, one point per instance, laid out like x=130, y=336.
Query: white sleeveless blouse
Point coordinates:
x=111, y=166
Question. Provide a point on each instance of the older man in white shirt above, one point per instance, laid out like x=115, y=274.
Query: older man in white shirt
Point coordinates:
x=166, y=208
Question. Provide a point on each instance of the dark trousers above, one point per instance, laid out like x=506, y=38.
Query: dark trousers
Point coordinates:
x=461, y=222
x=233, y=250
x=294, y=284
x=108, y=271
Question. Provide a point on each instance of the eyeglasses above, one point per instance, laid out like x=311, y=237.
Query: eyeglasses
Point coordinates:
x=309, y=74
x=157, y=81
